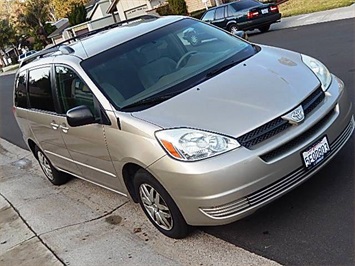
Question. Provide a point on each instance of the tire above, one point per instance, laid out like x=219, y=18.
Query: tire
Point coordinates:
x=232, y=28
x=264, y=28
x=53, y=175
x=158, y=206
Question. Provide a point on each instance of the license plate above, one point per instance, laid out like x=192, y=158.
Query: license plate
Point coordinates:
x=316, y=153
x=264, y=11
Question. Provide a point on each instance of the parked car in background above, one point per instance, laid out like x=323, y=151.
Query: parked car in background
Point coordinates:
x=25, y=55
x=243, y=15
x=197, y=135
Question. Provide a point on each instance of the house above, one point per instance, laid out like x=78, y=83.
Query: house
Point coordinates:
x=195, y=5
x=97, y=18
x=56, y=36
x=132, y=8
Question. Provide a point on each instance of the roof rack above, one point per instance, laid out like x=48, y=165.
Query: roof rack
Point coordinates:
x=68, y=50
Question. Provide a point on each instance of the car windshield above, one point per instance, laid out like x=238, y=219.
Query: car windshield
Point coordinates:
x=164, y=62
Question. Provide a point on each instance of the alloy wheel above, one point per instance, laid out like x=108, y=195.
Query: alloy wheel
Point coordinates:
x=156, y=207
x=234, y=30
x=46, y=167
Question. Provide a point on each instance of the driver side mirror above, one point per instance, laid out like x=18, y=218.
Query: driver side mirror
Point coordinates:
x=80, y=116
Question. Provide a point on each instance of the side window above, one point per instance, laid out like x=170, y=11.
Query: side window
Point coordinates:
x=219, y=13
x=208, y=16
x=231, y=10
x=40, y=90
x=21, y=91
x=72, y=91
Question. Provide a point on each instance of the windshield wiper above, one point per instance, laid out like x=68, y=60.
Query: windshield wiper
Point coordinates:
x=221, y=69
x=148, y=101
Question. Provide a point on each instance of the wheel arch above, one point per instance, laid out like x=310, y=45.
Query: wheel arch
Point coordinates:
x=128, y=172
x=32, y=145
x=229, y=23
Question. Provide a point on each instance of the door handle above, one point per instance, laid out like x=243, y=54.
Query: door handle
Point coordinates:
x=54, y=125
x=64, y=128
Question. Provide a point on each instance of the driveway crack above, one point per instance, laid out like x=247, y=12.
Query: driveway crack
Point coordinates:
x=33, y=231
x=88, y=221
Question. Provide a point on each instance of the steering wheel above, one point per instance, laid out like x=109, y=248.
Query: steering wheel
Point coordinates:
x=182, y=58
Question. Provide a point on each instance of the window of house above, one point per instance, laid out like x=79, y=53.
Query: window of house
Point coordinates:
x=40, y=90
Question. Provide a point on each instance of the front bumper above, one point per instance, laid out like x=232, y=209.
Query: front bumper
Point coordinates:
x=228, y=187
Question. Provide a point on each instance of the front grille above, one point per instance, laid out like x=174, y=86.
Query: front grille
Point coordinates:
x=278, y=188
x=271, y=155
x=278, y=125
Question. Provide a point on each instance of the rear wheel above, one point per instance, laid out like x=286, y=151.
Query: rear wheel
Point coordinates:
x=56, y=177
x=159, y=207
x=233, y=28
x=264, y=28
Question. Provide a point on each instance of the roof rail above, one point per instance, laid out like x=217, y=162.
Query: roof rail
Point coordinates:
x=68, y=50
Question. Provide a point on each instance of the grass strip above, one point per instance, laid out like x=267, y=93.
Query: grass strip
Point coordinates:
x=297, y=7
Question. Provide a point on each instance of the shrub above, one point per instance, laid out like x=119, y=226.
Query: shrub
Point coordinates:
x=178, y=7
x=164, y=10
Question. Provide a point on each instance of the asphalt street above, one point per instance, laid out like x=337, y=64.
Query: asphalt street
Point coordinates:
x=315, y=222
x=9, y=129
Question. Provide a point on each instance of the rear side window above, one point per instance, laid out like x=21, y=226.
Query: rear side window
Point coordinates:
x=219, y=13
x=21, y=91
x=209, y=16
x=40, y=90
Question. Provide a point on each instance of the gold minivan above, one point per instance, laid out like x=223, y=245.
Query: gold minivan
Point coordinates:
x=201, y=134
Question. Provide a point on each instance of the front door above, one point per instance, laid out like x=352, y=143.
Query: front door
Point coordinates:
x=86, y=144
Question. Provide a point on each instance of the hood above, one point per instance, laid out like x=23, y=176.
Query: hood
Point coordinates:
x=263, y=87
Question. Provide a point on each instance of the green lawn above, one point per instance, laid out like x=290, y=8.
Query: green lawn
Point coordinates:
x=297, y=7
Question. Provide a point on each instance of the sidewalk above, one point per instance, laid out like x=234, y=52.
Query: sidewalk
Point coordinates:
x=317, y=17
x=83, y=224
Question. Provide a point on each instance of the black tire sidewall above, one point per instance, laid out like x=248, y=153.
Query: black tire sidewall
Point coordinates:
x=180, y=228
x=58, y=177
x=231, y=26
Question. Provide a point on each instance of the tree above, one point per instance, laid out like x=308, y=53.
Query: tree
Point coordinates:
x=7, y=35
x=62, y=8
x=35, y=17
x=77, y=14
x=178, y=7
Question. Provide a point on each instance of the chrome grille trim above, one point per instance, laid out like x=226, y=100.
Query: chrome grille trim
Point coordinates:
x=278, y=125
x=277, y=152
x=227, y=209
x=261, y=197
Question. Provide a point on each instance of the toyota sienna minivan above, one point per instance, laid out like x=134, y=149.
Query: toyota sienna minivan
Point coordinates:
x=201, y=134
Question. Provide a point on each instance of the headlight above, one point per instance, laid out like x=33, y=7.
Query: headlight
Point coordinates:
x=191, y=145
x=319, y=70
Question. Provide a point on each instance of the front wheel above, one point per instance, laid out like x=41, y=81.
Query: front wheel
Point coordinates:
x=159, y=207
x=54, y=176
x=233, y=28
